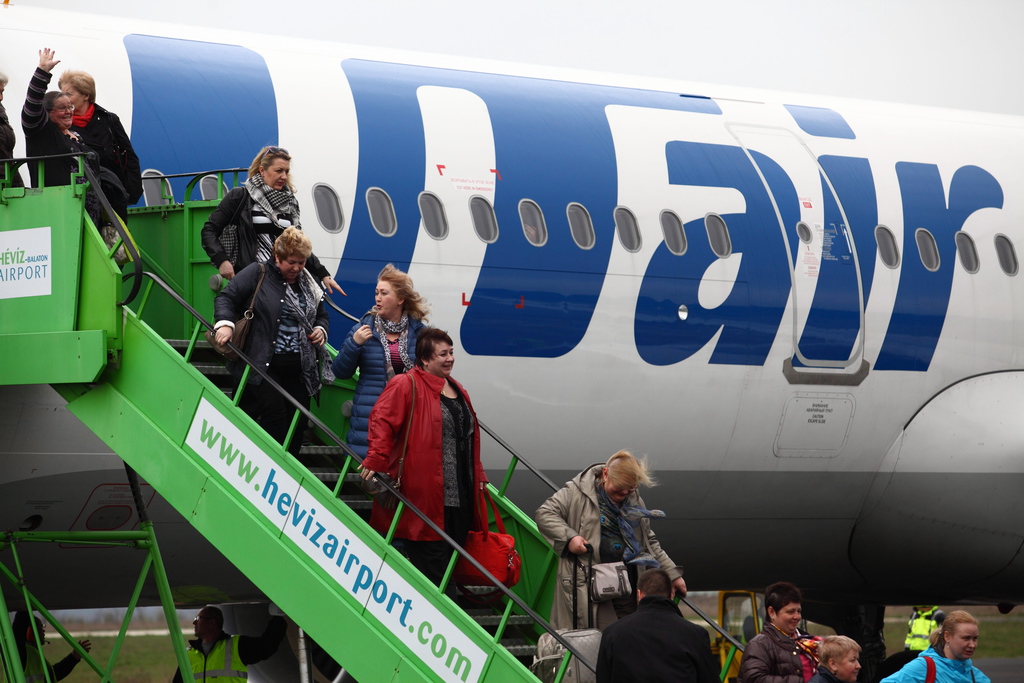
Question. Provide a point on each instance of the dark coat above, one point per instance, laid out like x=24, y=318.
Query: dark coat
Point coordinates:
x=656, y=644
x=373, y=375
x=44, y=138
x=233, y=301
x=423, y=475
x=823, y=675
x=105, y=135
x=7, y=141
x=236, y=208
x=21, y=626
x=771, y=657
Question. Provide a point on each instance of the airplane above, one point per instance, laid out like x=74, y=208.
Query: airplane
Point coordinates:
x=803, y=310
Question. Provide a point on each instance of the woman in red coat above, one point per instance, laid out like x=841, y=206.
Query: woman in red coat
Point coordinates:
x=441, y=470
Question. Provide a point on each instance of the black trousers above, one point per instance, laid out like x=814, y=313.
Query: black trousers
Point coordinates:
x=270, y=409
x=431, y=557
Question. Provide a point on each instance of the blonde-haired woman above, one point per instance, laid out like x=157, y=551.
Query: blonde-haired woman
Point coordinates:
x=952, y=646
x=102, y=132
x=380, y=346
x=601, y=507
x=243, y=227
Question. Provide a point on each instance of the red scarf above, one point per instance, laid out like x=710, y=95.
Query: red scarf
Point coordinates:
x=82, y=120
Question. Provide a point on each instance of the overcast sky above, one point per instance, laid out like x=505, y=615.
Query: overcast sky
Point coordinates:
x=959, y=53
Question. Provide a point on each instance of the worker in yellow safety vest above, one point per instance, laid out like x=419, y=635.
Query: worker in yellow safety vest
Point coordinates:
x=217, y=656
x=31, y=660
x=923, y=620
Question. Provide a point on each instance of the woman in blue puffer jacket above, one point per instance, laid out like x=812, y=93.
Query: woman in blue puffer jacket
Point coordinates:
x=380, y=345
x=953, y=643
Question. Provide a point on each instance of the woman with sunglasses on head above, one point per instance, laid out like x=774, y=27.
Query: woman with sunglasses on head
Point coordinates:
x=243, y=227
x=602, y=508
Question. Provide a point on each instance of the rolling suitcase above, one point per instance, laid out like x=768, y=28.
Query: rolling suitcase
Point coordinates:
x=586, y=641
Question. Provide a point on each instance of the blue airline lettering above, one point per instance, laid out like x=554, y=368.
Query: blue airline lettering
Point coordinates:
x=923, y=297
x=833, y=321
x=552, y=144
x=750, y=316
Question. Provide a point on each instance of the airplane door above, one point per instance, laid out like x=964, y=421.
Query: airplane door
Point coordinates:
x=827, y=291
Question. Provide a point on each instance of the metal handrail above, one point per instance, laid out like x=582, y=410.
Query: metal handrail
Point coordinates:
x=405, y=502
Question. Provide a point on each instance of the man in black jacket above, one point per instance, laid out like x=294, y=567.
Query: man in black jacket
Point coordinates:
x=655, y=644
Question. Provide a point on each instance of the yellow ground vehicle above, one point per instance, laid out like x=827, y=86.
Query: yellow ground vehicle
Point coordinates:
x=738, y=621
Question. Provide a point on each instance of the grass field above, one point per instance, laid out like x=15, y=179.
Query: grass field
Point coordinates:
x=143, y=659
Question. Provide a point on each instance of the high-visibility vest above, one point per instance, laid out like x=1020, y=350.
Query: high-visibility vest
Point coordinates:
x=919, y=629
x=34, y=666
x=222, y=664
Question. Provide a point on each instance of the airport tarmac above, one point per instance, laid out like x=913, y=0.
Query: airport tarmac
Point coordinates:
x=1002, y=670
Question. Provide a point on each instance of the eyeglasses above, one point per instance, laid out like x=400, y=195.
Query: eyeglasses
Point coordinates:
x=277, y=150
x=64, y=109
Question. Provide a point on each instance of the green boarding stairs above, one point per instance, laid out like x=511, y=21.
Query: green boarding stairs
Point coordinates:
x=75, y=321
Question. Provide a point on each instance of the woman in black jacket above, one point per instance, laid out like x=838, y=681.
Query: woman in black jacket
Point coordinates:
x=286, y=334
x=7, y=135
x=245, y=224
x=101, y=131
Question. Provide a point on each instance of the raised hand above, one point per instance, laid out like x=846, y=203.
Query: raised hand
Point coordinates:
x=46, y=60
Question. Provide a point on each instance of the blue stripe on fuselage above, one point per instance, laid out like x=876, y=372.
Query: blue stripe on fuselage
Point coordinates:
x=552, y=144
x=198, y=106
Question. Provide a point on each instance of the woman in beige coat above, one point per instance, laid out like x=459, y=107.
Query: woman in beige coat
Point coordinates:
x=572, y=518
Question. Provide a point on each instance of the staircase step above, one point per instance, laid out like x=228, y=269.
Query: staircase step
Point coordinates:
x=520, y=647
x=488, y=618
x=212, y=369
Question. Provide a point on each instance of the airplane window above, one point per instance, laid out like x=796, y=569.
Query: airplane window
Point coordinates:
x=382, y=212
x=672, y=229
x=888, y=250
x=434, y=219
x=534, y=227
x=718, y=235
x=967, y=251
x=484, y=221
x=927, y=248
x=1007, y=254
x=804, y=231
x=628, y=230
x=328, y=208
x=580, y=225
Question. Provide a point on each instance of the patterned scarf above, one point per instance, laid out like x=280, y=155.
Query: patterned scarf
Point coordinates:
x=383, y=327
x=309, y=355
x=273, y=202
x=807, y=644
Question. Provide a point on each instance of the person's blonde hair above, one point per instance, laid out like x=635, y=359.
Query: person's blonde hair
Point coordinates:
x=80, y=81
x=413, y=304
x=954, y=618
x=292, y=242
x=266, y=156
x=834, y=648
x=625, y=471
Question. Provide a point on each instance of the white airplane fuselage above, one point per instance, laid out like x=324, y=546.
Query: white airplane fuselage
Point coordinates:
x=823, y=400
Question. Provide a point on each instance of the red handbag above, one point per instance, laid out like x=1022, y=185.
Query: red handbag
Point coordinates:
x=495, y=551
